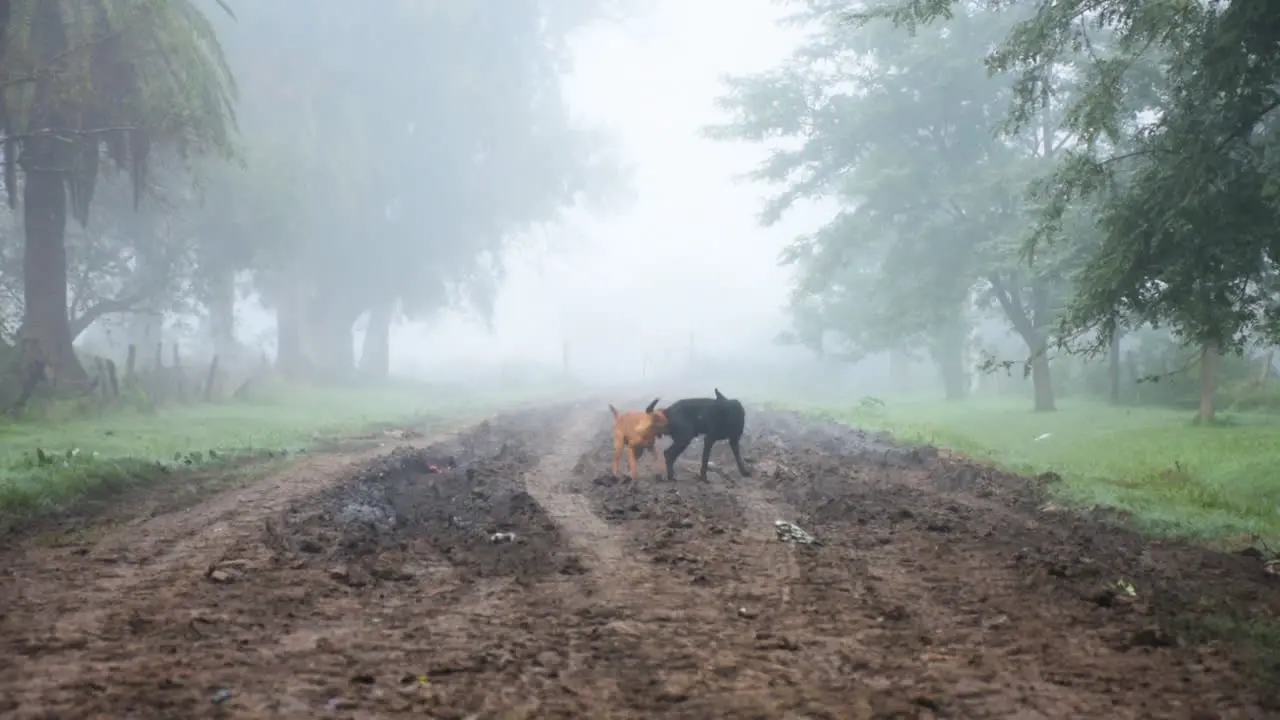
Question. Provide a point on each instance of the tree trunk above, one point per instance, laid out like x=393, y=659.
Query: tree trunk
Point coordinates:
x=1208, y=382
x=899, y=370
x=327, y=339
x=221, y=305
x=1113, y=365
x=46, y=325
x=947, y=348
x=375, y=356
x=1041, y=378
x=954, y=383
x=291, y=357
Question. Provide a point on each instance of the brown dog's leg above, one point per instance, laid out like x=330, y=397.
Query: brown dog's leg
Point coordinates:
x=617, y=455
x=631, y=461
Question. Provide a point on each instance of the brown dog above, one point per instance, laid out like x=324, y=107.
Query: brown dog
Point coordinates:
x=637, y=431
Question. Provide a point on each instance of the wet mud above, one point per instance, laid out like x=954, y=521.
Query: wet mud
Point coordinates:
x=503, y=572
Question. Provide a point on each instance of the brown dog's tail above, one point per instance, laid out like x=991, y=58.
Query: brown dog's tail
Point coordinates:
x=613, y=410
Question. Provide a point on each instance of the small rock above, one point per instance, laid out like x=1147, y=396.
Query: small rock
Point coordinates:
x=1105, y=597
x=897, y=613
x=1152, y=638
x=392, y=574
x=348, y=577
x=340, y=703
x=363, y=679
x=747, y=613
x=547, y=659
x=221, y=696
x=222, y=577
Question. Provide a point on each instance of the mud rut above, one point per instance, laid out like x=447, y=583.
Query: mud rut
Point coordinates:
x=370, y=585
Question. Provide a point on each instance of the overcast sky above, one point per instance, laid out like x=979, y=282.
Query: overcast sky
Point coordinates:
x=687, y=255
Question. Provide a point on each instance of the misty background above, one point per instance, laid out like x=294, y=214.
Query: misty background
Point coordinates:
x=776, y=197
x=678, y=261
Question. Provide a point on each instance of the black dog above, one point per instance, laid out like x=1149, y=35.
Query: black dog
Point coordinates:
x=717, y=418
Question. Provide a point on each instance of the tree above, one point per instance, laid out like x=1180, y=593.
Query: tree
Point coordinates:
x=428, y=150
x=86, y=78
x=903, y=131
x=1186, y=202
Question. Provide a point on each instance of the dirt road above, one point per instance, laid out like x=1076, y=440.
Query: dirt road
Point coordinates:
x=371, y=585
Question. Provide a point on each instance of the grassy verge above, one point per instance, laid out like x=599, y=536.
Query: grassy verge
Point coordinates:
x=1173, y=478
x=45, y=467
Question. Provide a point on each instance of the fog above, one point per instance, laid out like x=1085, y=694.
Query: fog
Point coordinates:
x=429, y=192
x=688, y=256
x=685, y=258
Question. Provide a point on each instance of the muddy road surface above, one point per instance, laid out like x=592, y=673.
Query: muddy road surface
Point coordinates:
x=500, y=572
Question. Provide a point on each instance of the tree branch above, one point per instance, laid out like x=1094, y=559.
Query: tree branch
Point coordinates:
x=1011, y=303
x=101, y=308
x=51, y=66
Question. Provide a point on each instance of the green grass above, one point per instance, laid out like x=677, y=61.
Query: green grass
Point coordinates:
x=46, y=466
x=1173, y=477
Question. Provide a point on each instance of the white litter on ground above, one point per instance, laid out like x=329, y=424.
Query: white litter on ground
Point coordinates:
x=790, y=532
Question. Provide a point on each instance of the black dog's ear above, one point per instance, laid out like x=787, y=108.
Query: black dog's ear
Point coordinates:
x=718, y=395
x=652, y=405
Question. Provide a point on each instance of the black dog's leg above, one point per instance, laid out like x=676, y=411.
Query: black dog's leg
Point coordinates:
x=737, y=456
x=707, y=442
x=672, y=453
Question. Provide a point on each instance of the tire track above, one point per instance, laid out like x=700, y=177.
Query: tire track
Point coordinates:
x=551, y=485
x=69, y=599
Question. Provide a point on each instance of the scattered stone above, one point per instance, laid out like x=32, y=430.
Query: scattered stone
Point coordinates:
x=747, y=613
x=221, y=696
x=340, y=703
x=351, y=577
x=897, y=613
x=790, y=532
x=1152, y=638
x=223, y=577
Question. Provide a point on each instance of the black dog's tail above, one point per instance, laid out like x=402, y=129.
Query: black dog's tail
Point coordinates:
x=719, y=395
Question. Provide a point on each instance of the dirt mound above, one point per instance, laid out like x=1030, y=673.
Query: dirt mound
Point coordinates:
x=958, y=556
x=441, y=580
x=463, y=502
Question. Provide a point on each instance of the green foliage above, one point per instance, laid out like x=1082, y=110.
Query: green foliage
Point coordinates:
x=902, y=131
x=1083, y=166
x=1186, y=201
x=45, y=466
x=118, y=75
x=1173, y=478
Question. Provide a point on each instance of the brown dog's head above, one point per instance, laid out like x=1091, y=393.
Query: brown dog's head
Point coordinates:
x=657, y=418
